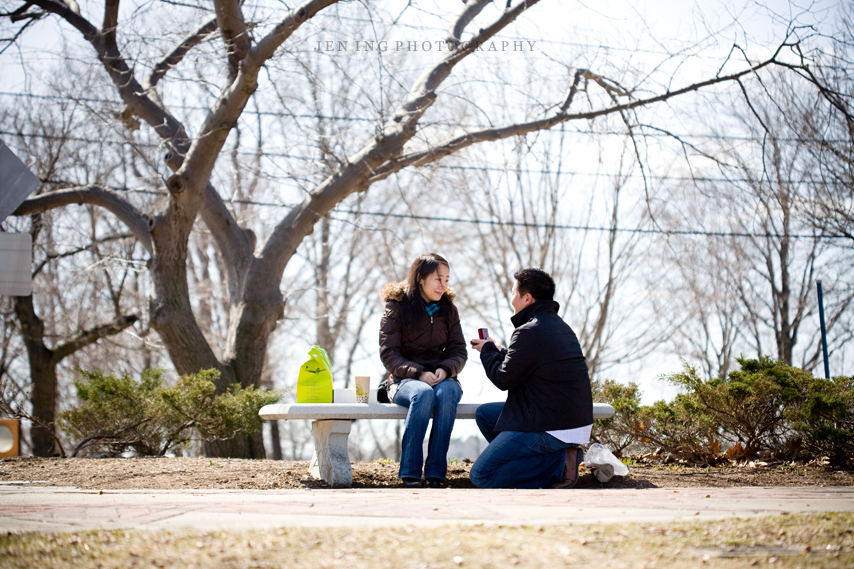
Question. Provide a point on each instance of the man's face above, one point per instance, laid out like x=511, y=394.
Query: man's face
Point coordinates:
x=519, y=302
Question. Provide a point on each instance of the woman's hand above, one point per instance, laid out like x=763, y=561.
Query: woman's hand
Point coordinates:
x=430, y=378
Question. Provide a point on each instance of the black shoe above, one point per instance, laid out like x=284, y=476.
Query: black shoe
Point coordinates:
x=437, y=483
x=574, y=457
x=413, y=483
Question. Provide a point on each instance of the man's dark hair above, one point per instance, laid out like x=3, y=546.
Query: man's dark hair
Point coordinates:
x=535, y=282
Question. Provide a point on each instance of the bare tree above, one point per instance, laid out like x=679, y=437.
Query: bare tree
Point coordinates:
x=747, y=278
x=50, y=328
x=703, y=302
x=535, y=212
x=792, y=254
x=253, y=270
x=824, y=123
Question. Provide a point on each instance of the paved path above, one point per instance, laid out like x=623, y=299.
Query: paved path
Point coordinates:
x=24, y=508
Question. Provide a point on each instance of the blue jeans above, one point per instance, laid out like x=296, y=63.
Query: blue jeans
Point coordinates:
x=515, y=459
x=423, y=401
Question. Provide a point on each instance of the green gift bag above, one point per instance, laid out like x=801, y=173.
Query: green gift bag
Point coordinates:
x=314, y=384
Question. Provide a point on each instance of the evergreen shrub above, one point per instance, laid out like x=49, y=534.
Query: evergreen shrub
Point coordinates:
x=119, y=414
x=766, y=408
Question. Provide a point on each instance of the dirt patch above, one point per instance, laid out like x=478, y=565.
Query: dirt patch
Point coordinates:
x=222, y=473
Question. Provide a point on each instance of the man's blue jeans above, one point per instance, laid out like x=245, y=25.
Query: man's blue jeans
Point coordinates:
x=515, y=459
x=423, y=401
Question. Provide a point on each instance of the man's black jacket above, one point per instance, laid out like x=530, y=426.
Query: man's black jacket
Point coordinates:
x=544, y=372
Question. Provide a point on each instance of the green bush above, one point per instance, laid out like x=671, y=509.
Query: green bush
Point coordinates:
x=824, y=420
x=764, y=406
x=679, y=428
x=748, y=405
x=619, y=432
x=120, y=414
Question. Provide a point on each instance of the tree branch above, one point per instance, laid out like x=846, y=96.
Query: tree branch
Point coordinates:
x=490, y=134
x=235, y=244
x=85, y=442
x=101, y=436
x=21, y=13
x=265, y=48
x=470, y=11
x=229, y=17
x=177, y=54
x=19, y=413
x=144, y=103
x=91, y=336
x=94, y=243
x=203, y=153
x=167, y=127
x=357, y=173
x=111, y=23
x=100, y=196
x=423, y=92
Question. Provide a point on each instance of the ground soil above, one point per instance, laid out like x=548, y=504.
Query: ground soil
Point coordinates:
x=220, y=473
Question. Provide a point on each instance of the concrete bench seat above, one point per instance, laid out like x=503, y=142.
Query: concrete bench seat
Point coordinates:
x=331, y=422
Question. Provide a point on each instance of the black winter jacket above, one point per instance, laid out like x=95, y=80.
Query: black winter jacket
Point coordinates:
x=544, y=372
x=427, y=343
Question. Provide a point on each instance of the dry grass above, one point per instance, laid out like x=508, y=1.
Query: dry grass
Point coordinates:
x=823, y=540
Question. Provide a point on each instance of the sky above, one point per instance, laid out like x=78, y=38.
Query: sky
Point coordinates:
x=672, y=22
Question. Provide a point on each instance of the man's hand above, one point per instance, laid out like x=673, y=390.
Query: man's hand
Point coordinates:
x=441, y=375
x=478, y=344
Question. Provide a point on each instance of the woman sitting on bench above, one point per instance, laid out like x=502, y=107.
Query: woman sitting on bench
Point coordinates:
x=423, y=348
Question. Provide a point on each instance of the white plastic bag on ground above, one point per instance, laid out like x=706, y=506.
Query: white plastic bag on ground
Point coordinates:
x=603, y=463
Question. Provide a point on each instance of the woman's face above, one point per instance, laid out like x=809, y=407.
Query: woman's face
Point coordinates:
x=434, y=285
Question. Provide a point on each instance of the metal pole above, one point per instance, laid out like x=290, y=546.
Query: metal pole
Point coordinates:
x=823, y=329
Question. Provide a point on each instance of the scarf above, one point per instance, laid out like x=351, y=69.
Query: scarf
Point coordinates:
x=431, y=308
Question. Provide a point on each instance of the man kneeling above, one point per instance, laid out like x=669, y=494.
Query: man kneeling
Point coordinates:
x=534, y=436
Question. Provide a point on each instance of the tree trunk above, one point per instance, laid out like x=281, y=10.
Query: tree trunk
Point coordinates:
x=43, y=399
x=171, y=313
x=238, y=447
x=172, y=316
x=252, y=320
x=42, y=373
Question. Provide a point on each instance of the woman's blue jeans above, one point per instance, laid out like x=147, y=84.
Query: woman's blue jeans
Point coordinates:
x=423, y=401
x=515, y=459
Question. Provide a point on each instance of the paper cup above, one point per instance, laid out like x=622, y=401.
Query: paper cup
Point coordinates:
x=343, y=395
x=363, y=388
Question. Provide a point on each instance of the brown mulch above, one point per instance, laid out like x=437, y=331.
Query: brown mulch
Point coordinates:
x=224, y=473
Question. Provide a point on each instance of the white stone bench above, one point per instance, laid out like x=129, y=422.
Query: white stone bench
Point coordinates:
x=331, y=422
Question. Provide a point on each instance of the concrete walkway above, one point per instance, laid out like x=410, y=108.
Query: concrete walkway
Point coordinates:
x=26, y=508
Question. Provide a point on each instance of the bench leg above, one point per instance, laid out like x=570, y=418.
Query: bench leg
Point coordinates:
x=330, y=461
